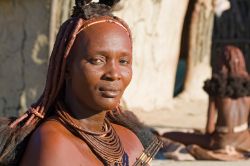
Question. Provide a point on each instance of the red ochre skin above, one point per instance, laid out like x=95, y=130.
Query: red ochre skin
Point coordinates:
x=96, y=76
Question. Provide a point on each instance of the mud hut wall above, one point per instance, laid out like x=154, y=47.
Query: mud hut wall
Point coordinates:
x=23, y=52
x=28, y=31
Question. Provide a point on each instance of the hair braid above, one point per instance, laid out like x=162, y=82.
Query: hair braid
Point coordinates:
x=12, y=139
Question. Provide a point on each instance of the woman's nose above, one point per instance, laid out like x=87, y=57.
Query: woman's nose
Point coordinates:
x=112, y=71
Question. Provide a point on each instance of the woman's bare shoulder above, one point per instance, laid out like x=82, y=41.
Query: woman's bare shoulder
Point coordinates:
x=48, y=145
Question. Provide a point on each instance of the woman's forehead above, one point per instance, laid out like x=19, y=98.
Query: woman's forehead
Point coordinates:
x=104, y=35
x=102, y=28
x=104, y=21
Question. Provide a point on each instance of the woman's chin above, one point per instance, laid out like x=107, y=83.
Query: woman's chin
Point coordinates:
x=108, y=103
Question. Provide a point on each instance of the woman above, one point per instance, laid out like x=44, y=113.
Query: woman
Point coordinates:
x=77, y=120
x=227, y=136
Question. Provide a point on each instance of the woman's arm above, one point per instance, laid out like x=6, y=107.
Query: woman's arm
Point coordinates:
x=211, y=114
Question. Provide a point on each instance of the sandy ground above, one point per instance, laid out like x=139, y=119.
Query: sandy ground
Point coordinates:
x=182, y=115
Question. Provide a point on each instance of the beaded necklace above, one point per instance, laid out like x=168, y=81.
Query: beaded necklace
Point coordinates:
x=106, y=145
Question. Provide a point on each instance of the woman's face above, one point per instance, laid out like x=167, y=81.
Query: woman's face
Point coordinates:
x=101, y=66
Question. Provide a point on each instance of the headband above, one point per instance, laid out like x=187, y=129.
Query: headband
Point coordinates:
x=104, y=19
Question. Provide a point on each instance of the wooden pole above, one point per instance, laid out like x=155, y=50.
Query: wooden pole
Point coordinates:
x=198, y=61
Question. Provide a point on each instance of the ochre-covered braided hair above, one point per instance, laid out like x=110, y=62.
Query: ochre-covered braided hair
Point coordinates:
x=230, y=77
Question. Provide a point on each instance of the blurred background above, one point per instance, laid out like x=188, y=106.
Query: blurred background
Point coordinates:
x=174, y=45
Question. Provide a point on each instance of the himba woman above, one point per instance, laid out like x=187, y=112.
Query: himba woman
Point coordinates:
x=227, y=136
x=78, y=120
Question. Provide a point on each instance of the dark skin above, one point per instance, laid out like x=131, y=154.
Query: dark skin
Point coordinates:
x=230, y=113
x=97, y=75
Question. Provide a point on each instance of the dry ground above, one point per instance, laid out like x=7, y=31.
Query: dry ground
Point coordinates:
x=180, y=114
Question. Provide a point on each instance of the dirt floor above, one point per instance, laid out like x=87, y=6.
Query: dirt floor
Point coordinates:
x=181, y=115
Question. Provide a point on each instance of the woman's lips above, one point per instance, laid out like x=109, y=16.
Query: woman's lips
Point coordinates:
x=109, y=92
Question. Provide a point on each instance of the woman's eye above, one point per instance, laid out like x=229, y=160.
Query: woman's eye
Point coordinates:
x=97, y=61
x=124, y=61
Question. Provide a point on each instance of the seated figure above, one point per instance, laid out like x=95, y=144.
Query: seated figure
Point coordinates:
x=227, y=135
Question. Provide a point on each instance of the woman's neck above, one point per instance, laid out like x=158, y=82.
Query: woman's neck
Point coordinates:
x=88, y=118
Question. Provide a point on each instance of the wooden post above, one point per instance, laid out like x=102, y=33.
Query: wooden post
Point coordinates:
x=198, y=63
